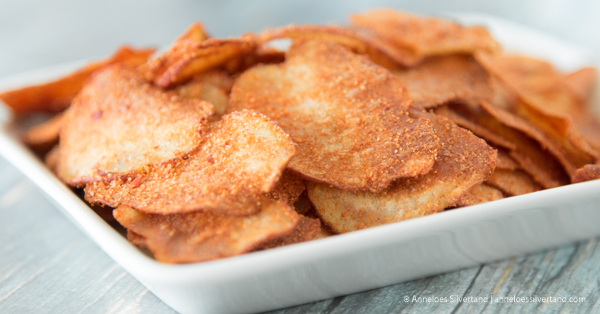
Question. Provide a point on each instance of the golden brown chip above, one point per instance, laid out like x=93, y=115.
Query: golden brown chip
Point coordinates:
x=410, y=38
x=545, y=101
x=506, y=162
x=119, y=123
x=241, y=157
x=353, y=131
x=191, y=55
x=464, y=161
x=288, y=189
x=582, y=82
x=57, y=95
x=203, y=236
x=528, y=153
x=513, y=182
x=51, y=158
x=43, y=136
x=478, y=194
x=213, y=86
x=307, y=229
x=137, y=239
x=441, y=79
x=587, y=173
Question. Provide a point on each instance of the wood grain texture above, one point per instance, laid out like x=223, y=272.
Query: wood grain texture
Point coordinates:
x=47, y=265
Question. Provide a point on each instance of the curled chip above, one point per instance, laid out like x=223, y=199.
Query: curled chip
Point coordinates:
x=587, y=173
x=513, y=182
x=119, y=123
x=307, y=229
x=353, y=131
x=191, y=55
x=57, y=95
x=504, y=161
x=241, y=157
x=582, y=82
x=43, y=136
x=463, y=162
x=410, y=38
x=480, y=193
x=203, y=236
x=213, y=86
x=441, y=79
x=288, y=189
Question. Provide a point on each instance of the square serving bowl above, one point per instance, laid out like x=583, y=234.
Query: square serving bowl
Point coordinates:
x=350, y=262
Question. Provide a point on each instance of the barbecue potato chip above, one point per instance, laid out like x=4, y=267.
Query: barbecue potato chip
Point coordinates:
x=478, y=194
x=307, y=229
x=43, y=136
x=213, y=86
x=512, y=182
x=57, y=95
x=51, y=158
x=504, y=161
x=438, y=80
x=242, y=156
x=353, y=131
x=191, y=55
x=410, y=38
x=203, y=236
x=582, y=82
x=587, y=173
x=288, y=189
x=463, y=162
x=119, y=123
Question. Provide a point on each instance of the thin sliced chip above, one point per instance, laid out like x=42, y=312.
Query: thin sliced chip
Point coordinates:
x=506, y=162
x=51, y=158
x=412, y=37
x=191, y=55
x=463, y=162
x=587, y=173
x=529, y=154
x=478, y=194
x=137, y=239
x=582, y=82
x=213, y=86
x=288, y=189
x=545, y=101
x=513, y=182
x=57, y=95
x=241, y=157
x=119, y=123
x=203, y=236
x=352, y=131
x=438, y=80
x=43, y=136
x=307, y=229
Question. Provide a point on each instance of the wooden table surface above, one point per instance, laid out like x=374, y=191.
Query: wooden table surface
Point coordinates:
x=47, y=265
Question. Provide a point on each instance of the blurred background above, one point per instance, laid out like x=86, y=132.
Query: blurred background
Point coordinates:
x=36, y=33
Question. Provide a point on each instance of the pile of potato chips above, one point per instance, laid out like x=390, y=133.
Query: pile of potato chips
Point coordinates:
x=219, y=147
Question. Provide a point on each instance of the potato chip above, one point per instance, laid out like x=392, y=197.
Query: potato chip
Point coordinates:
x=57, y=95
x=352, y=131
x=213, y=86
x=288, y=189
x=119, y=123
x=528, y=153
x=513, y=182
x=478, y=194
x=410, y=38
x=438, y=80
x=194, y=54
x=51, y=158
x=463, y=162
x=582, y=82
x=307, y=229
x=203, y=236
x=587, y=173
x=504, y=161
x=43, y=136
x=241, y=157
x=137, y=239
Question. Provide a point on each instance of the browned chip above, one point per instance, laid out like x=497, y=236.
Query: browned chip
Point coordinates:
x=307, y=229
x=288, y=189
x=410, y=38
x=545, y=101
x=528, y=153
x=439, y=80
x=203, y=236
x=241, y=157
x=582, y=82
x=213, y=86
x=504, y=161
x=51, y=158
x=353, y=131
x=464, y=161
x=478, y=194
x=57, y=95
x=587, y=173
x=513, y=182
x=118, y=123
x=191, y=55
x=137, y=239
x=43, y=136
